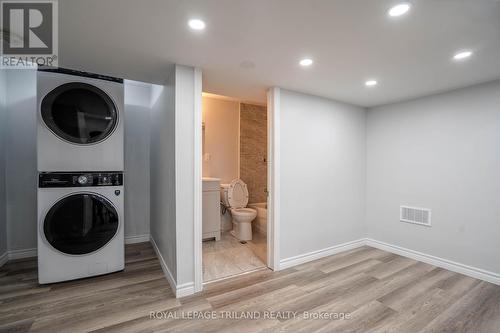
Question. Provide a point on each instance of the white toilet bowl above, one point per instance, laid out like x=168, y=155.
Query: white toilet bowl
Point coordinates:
x=235, y=197
x=242, y=222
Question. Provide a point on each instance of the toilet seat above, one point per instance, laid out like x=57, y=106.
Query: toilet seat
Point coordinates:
x=237, y=194
x=243, y=211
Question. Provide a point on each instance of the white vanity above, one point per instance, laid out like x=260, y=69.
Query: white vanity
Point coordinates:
x=211, y=208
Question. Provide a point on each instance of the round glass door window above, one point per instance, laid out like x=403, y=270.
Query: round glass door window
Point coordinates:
x=80, y=223
x=79, y=113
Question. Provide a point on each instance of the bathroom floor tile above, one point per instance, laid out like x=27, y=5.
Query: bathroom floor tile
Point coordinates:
x=228, y=257
x=258, y=244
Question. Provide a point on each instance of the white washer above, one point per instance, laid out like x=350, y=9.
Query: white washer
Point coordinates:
x=80, y=121
x=80, y=225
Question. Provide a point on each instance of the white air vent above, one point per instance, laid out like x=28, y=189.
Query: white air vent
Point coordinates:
x=415, y=215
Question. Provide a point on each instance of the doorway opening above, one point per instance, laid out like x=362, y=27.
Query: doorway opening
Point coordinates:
x=235, y=183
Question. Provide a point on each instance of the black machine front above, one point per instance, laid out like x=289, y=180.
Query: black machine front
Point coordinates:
x=80, y=223
x=79, y=179
x=79, y=113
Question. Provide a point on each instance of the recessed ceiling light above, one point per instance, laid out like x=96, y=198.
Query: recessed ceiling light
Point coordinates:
x=462, y=55
x=399, y=9
x=371, y=83
x=196, y=24
x=306, y=62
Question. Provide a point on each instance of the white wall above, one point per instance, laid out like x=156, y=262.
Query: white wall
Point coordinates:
x=439, y=152
x=322, y=157
x=221, y=138
x=172, y=175
x=185, y=127
x=162, y=176
x=137, y=136
x=3, y=136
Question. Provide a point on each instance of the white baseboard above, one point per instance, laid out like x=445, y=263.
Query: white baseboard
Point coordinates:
x=314, y=255
x=4, y=257
x=29, y=253
x=181, y=290
x=21, y=254
x=137, y=239
x=185, y=289
x=164, y=267
x=474, y=272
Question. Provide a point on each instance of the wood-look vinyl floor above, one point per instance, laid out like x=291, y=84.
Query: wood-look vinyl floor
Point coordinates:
x=378, y=291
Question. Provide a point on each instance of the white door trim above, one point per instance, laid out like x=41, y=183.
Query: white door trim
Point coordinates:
x=273, y=107
x=273, y=178
x=197, y=220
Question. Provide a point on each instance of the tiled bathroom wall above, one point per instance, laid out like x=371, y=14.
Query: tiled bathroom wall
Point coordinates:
x=253, y=150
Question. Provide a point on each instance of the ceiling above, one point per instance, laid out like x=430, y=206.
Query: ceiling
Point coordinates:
x=249, y=46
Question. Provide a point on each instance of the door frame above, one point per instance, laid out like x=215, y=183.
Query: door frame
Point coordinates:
x=273, y=181
x=197, y=190
x=273, y=178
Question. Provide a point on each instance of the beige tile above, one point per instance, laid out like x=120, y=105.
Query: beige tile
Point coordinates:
x=229, y=257
x=253, y=150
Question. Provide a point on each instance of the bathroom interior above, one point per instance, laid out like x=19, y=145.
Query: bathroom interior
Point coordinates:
x=234, y=149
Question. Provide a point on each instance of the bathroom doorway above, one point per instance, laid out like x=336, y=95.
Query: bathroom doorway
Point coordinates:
x=234, y=151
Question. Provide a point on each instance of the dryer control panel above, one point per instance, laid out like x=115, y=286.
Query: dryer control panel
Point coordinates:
x=79, y=179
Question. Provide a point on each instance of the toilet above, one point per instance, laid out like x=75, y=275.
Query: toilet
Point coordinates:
x=235, y=197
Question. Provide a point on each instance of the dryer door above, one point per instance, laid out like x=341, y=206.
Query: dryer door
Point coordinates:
x=79, y=113
x=81, y=223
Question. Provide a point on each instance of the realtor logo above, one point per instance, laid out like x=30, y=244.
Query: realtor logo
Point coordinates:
x=29, y=33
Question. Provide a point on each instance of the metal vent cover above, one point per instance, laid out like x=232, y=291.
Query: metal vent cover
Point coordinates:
x=415, y=215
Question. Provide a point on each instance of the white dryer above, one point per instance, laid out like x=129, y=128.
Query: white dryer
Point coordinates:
x=80, y=121
x=80, y=225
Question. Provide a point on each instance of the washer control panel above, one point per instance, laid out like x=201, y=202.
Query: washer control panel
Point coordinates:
x=79, y=179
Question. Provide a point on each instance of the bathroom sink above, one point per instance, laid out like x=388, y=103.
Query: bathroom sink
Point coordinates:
x=209, y=179
x=211, y=184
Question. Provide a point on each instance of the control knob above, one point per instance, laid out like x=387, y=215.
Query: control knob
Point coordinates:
x=82, y=180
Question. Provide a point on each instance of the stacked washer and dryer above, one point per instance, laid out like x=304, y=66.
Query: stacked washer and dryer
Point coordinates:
x=80, y=167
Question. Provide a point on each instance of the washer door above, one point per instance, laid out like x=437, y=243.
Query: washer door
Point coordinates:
x=80, y=223
x=79, y=113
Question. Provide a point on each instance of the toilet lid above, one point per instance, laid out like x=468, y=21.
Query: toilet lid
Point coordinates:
x=237, y=194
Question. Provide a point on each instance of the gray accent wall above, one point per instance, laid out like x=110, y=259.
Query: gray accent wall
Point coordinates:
x=440, y=152
x=137, y=150
x=18, y=186
x=3, y=157
x=21, y=170
x=323, y=175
